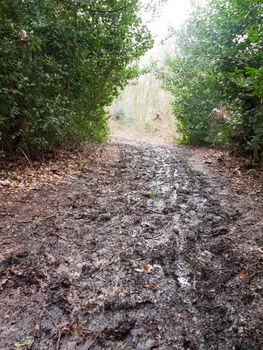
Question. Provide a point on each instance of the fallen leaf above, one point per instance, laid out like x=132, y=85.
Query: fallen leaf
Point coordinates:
x=148, y=268
x=243, y=274
x=151, y=194
x=5, y=183
x=123, y=291
x=3, y=282
x=147, y=328
x=24, y=343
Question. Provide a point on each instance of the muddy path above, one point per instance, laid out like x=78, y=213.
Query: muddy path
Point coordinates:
x=145, y=250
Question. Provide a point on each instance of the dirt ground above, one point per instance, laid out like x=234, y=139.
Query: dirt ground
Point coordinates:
x=131, y=245
x=158, y=131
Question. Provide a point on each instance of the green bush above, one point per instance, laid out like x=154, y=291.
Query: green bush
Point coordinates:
x=61, y=63
x=219, y=62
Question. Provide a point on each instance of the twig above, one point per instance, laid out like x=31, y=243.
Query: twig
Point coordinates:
x=47, y=217
x=51, y=232
x=59, y=338
x=29, y=161
x=24, y=222
x=159, y=212
x=57, y=328
x=19, y=201
x=96, y=337
x=253, y=275
x=36, y=221
x=155, y=211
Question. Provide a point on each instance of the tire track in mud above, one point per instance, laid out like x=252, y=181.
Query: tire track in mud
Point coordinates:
x=173, y=185
x=145, y=253
x=185, y=199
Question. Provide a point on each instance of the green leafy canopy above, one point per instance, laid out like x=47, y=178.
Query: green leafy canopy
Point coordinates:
x=56, y=82
x=219, y=62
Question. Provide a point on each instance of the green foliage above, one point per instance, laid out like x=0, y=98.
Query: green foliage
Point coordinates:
x=55, y=84
x=151, y=194
x=25, y=343
x=219, y=62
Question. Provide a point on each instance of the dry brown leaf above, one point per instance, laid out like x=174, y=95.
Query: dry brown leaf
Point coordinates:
x=122, y=291
x=243, y=274
x=148, y=268
x=147, y=328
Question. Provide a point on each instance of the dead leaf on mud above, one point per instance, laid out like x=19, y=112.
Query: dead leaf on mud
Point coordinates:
x=3, y=282
x=5, y=183
x=243, y=274
x=148, y=268
x=123, y=291
x=148, y=328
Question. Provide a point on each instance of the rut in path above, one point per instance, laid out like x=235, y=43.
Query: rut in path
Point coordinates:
x=146, y=250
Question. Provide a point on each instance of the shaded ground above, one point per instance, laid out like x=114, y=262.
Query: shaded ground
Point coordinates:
x=138, y=246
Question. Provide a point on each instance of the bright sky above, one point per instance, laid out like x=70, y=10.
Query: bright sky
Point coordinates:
x=173, y=14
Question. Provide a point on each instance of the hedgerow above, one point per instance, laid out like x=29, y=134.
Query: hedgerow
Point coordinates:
x=219, y=62
x=61, y=63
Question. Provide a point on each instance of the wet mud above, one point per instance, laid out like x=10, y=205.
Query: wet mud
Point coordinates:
x=148, y=250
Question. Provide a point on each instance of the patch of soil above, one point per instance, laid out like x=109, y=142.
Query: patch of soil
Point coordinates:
x=129, y=246
x=243, y=175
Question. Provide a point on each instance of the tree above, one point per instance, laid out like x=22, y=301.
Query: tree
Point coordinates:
x=220, y=63
x=61, y=63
